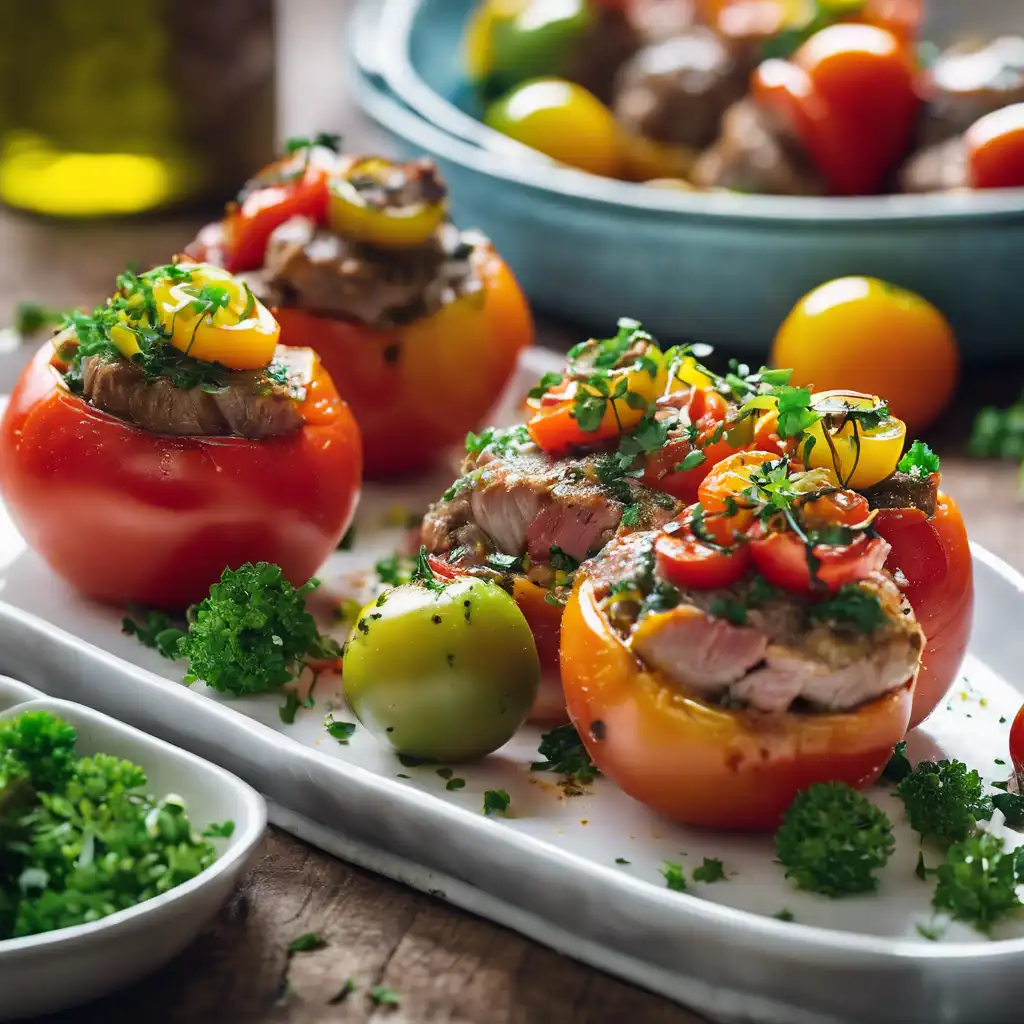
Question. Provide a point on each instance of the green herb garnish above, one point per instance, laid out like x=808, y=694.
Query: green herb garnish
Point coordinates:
x=919, y=460
x=310, y=942
x=340, y=731
x=496, y=801
x=899, y=766
x=675, y=879
x=711, y=870
x=944, y=801
x=563, y=752
x=977, y=883
x=154, y=629
x=852, y=606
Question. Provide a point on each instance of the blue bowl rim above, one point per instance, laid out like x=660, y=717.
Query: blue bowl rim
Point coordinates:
x=462, y=139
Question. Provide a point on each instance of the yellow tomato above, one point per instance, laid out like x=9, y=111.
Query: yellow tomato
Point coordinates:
x=854, y=455
x=866, y=335
x=391, y=227
x=212, y=316
x=650, y=161
x=562, y=120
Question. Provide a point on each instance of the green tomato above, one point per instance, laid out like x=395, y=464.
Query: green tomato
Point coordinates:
x=442, y=673
x=538, y=40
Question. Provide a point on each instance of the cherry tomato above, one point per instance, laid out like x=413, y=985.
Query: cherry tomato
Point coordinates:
x=295, y=186
x=849, y=94
x=1017, y=742
x=126, y=516
x=686, y=561
x=417, y=389
x=841, y=508
x=727, y=482
x=562, y=120
x=700, y=764
x=995, y=149
x=781, y=558
x=840, y=336
x=708, y=410
x=933, y=557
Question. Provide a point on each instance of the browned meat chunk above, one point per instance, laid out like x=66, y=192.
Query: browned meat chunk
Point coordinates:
x=775, y=654
x=677, y=90
x=317, y=270
x=249, y=405
x=755, y=153
x=607, y=44
x=905, y=490
x=525, y=502
x=966, y=83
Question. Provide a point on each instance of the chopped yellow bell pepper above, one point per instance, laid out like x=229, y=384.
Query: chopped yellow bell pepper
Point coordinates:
x=124, y=340
x=687, y=372
x=854, y=455
x=212, y=316
x=398, y=226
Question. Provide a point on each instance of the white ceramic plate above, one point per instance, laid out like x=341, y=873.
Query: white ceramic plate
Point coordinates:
x=550, y=869
x=50, y=972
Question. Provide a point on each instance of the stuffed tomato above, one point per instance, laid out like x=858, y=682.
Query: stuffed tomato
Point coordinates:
x=171, y=422
x=418, y=324
x=712, y=675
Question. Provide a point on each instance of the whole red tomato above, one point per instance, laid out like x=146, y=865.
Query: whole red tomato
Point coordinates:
x=995, y=149
x=934, y=557
x=127, y=516
x=417, y=389
x=700, y=764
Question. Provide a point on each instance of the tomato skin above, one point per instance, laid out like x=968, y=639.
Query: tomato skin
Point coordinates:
x=934, y=556
x=126, y=516
x=781, y=558
x=1017, y=742
x=849, y=94
x=416, y=389
x=995, y=149
x=687, y=562
x=698, y=764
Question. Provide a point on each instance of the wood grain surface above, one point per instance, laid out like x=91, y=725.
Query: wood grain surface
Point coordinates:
x=445, y=965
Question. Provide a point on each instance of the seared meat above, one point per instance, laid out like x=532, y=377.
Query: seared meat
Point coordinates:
x=941, y=167
x=657, y=20
x=905, y=490
x=250, y=404
x=676, y=91
x=525, y=502
x=608, y=42
x=317, y=270
x=756, y=153
x=965, y=84
x=764, y=650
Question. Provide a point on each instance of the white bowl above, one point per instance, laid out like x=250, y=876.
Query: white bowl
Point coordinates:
x=55, y=970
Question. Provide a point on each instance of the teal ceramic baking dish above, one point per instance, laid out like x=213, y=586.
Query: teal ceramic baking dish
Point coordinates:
x=723, y=268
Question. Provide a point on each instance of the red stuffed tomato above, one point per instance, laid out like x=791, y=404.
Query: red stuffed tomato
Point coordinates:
x=934, y=557
x=705, y=765
x=128, y=516
x=419, y=388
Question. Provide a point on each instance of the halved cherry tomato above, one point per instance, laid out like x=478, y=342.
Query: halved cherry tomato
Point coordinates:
x=849, y=94
x=295, y=186
x=417, y=389
x=931, y=559
x=166, y=514
x=840, y=508
x=995, y=149
x=687, y=561
x=1017, y=742
x=704, y=765
x=727, y=482
x=781, y=558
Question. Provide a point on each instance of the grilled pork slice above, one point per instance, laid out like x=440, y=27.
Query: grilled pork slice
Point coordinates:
x=521, y=501
x=755, y=646
x=249, y=404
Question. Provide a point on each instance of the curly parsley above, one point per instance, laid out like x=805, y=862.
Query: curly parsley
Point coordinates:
x=919, y=460
x=944, y=800
x=977, y=882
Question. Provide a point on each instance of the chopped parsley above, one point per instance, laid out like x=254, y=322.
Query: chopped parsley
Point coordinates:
x=832, y=840
x=453, y=784
x=944, y=801
x=563, y=752
x=310, y=942
x=977, y=882
x=711, y=870
x=853, y=606
x=622, y=860
x=394, y=570
x=919, y=461
x=422, y=572
x=899, y=766
x=561, y=561
x=340, y=731
x=1011, y=806
x=784, y=915
x=155, y=629
x=382, y=996
x=675, y=879
x=496, y=801
x=500, y=441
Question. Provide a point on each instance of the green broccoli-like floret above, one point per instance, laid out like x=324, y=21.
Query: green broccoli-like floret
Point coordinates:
x=832, y=839
x=253, y=633
x=944, y=801
x=38, y=745
x=977, y=882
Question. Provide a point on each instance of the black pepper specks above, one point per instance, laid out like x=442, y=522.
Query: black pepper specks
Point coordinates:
x=435, y=619
x=450, y=658
x=597, y=730
x=468, y=605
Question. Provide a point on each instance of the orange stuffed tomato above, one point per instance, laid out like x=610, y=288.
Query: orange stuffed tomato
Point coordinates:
x=177, y=465
x=687, y=701
x=419, y=324
x=933, y=556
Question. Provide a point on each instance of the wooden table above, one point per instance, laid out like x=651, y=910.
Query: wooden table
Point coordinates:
x=445, y=964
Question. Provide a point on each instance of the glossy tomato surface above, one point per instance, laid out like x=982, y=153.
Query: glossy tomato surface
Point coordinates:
x=127, y=516
x=934, y=558
x=703, y=765
x=415, y=390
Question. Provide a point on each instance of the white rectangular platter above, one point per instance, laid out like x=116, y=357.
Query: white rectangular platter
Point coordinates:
x=550, y=869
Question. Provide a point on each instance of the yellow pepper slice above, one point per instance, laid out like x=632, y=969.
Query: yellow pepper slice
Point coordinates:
x=687, y=372
x=212, y=316
x=360, y=207
x=858, y=456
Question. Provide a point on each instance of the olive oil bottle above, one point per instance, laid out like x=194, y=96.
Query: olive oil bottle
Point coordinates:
x=116, y=107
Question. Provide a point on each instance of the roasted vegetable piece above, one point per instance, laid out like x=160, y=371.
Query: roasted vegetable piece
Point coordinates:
x=444, y=671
